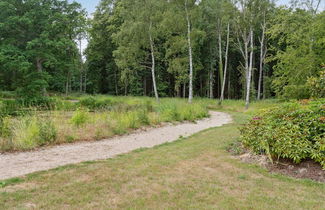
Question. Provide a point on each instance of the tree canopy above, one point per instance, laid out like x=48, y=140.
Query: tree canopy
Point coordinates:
x=246, y=49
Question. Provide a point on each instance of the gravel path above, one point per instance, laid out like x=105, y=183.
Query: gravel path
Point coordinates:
x=19, y=164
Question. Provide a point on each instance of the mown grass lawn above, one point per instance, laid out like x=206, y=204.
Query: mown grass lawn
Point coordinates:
x=192, y=173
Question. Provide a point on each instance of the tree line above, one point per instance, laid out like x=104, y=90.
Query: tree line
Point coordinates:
x=243, y=49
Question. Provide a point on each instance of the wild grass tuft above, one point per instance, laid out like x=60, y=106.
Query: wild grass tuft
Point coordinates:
x=80, y=117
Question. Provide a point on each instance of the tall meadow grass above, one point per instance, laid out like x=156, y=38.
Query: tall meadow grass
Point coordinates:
x=93, y=118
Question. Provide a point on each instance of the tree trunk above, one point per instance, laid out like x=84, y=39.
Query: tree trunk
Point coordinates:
x=229, y=86
x=249, y=73
x=225, y=71
x=190, y=94
x=211, y=81
x=145, y=86
x=262, y=57
x=67, y=87
x=184, y=90
x=126, y=89
x=81, y=66
x=116, y=87
x=220, y=58
x=264, y=86
x=201, y=86
x=85, y=82
x=153, y=64
x=39, y=66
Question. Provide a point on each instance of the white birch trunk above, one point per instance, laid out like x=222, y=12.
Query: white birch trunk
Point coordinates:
x=225, y=67
x=262, y=57
x=220, y=56
x=81, y=76
x=190, y=94
x=249, y=73
x=153, y=64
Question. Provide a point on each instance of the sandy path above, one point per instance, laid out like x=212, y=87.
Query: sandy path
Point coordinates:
x=19, y=164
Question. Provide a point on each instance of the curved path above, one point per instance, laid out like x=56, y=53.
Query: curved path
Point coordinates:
x=19, y=164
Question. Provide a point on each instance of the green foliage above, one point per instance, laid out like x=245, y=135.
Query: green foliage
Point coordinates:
x=37, y=46
x=317, y=85
x=295, y=131
x=7, y=94
x=93, y=103
x=26, y=133
x=298, y=37
x=143, y=117
x=80, y=117
x=10, y=107
x=48, y=132
x=174, y=110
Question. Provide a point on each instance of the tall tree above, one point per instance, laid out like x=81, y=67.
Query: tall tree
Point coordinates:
x=44, y=32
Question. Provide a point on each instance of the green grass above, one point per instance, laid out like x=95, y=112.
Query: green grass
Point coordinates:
x=191, y=173
x=92, y=118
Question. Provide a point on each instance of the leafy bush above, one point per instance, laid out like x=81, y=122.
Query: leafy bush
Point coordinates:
x=295, y=131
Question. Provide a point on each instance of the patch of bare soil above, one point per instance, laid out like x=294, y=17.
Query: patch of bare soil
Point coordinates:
x=305, y=170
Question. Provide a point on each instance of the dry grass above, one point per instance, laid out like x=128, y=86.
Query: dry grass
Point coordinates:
x=193, y=173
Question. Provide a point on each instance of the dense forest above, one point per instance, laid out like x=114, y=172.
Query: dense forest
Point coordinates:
x=245, y=49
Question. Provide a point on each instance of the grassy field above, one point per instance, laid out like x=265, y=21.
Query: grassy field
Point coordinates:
x=88, y=118
x=192, y=173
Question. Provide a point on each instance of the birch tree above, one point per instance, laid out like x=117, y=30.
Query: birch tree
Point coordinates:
x=225, y=66
x=245, y=42
x=190, y=94
x=140, y=29
x=263, y=51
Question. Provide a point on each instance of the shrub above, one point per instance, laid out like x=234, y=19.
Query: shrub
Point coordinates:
x=294, y=131
x=169, y=112
x=7, y=94
x=317, y=85
x=80, y=117
x=296, y=92
x=65, y=105
x=48, y=132
x=143, y=117
x=93, y=103
x=32, y=91
x=10, y=107
x=26, y=133
x=193, y=112
x=4, y=126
